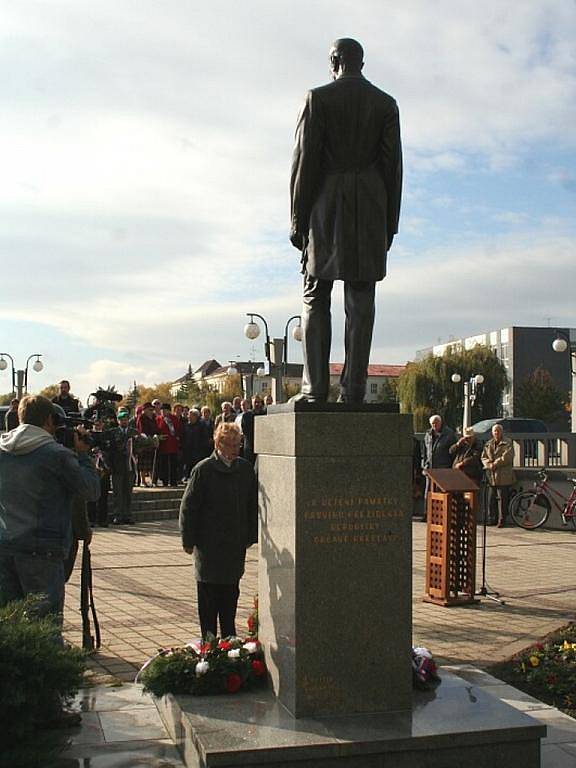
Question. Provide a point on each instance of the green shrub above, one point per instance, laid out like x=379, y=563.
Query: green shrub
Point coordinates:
x=36, y=671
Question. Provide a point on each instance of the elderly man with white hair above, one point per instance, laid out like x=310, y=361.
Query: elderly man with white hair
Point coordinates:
x=437, y=443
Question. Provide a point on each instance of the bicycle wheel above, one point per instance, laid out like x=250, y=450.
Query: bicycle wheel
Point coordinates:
x=529, y=510
x=570, y=516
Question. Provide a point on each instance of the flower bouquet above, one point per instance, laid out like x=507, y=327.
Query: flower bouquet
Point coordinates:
x=205, y=668
x=424, y=670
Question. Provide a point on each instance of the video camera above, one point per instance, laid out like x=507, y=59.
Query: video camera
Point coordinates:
x=67, y=424
x=101, y=408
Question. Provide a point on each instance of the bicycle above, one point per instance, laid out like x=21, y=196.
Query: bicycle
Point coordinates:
x=530, y=509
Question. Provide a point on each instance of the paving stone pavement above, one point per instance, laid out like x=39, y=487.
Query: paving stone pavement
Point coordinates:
x=145, y=595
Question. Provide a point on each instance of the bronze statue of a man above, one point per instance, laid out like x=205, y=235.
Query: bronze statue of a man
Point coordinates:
x=345, y=192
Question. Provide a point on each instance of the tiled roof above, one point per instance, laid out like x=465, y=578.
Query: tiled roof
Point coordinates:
x=208, y=367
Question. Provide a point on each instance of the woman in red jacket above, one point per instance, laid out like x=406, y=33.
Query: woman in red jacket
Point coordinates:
x=169, y=428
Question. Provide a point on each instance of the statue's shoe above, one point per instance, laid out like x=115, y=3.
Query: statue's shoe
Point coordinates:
x=301, y=397
x=347, y=399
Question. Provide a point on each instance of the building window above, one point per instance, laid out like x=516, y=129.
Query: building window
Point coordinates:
x=373, y=389
x=505, y=355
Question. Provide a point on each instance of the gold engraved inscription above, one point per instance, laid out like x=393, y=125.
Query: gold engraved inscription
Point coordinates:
x=352, y=519
x=322, y=689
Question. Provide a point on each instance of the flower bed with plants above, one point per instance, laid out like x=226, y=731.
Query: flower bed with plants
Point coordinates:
x=546, y=670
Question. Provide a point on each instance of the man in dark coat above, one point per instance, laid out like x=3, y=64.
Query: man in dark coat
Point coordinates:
x=12, y=420
x=218, y=521
x=466, y=455
x=122, y=458
x=437, y=443
x=345, y=191
x=65, y=400
x=195, y=442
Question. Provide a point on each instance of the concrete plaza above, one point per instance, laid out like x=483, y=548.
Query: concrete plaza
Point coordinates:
x=145, y=595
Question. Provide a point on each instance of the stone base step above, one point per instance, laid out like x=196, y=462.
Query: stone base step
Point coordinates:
x=149, y=504
x=457, y=724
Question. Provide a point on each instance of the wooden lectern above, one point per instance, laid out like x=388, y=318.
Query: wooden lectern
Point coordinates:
x=451, y=538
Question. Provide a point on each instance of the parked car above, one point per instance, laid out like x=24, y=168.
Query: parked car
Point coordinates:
x=483, y=429
x=515, y=426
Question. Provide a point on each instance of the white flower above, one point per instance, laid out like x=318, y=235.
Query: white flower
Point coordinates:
x=234, y=653
x=201, y=668
x=251, y=647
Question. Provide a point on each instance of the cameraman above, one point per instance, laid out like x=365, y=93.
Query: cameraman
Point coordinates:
x=38, y=479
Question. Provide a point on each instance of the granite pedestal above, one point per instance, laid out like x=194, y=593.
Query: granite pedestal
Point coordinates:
x=457, y=725
x=335, y=558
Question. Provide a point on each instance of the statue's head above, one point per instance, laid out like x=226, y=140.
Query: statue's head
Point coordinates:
x=346, y=55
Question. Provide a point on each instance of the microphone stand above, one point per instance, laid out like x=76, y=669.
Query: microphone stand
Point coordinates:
x=485, y=590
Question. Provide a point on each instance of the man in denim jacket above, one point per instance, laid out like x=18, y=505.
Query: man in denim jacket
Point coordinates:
x=38, y=479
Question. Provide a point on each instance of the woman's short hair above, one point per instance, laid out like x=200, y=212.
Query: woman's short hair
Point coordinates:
x=226, y=430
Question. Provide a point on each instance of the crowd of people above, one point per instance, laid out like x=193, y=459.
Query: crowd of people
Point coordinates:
x=156, y=445
x=492, y=462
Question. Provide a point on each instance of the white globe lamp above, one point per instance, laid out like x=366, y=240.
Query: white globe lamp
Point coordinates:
x=252, y=330
x=558, y=345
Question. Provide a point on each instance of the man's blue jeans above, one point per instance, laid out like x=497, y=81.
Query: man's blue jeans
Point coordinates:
x=24, y=574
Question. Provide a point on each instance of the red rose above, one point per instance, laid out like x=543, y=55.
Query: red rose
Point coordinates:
x=233, y=683
x=224, y=645
x=259, y=668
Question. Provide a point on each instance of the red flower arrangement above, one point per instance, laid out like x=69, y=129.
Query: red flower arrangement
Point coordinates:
x=213, y=666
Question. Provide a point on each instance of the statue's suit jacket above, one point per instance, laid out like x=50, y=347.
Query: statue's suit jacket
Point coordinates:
x=346, y=179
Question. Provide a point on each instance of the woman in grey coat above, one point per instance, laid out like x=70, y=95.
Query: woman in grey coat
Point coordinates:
x=218, y=522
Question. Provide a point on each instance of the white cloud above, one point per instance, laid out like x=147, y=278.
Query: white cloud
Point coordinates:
x=459, y=291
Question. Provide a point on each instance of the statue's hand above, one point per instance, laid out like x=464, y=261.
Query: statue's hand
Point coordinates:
x=297, y=240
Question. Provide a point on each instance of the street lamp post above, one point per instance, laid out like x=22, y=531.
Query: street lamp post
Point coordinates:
x=470, y=395
x=563, y=343
x=20, y=377
x=276, y=350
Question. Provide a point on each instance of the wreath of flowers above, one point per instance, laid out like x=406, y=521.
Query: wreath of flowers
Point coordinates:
x=205, y=668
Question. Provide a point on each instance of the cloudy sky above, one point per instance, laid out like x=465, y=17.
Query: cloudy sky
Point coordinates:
x=144, y=168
